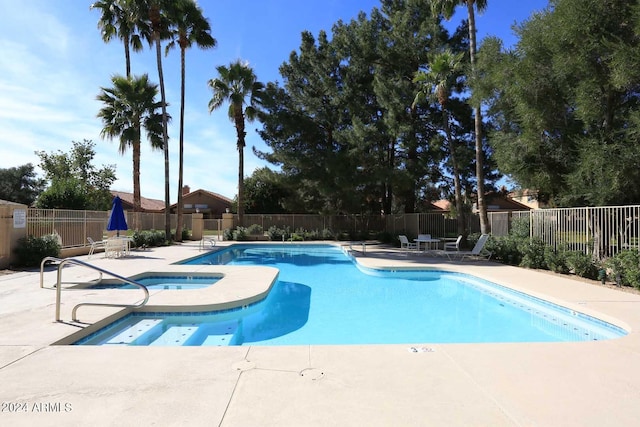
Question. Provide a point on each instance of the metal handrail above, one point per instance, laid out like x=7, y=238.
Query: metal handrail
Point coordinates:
x=50, y=258
x=61, y=264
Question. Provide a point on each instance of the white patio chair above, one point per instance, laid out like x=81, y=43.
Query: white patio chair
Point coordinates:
x=406, y=245
x=477, y=252
x=115, y=247
x=453, y=246
x=95, y=245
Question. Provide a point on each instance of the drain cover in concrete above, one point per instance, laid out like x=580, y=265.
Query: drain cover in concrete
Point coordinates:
x=312, y=374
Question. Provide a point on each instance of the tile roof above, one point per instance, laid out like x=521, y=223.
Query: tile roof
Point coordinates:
x=150, y=205
x=209, y=193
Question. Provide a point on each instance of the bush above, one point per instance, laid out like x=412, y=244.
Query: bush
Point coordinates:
x=556, y=260
x=385, y=237
x=297, y=237
x=227, y=234
x=533, y=254
x=186, y=234
x=240, y=234
x=278, y=234
x=31, y=250
x=149, y=238
x=327, y=234
x=582, y=265
x=625, y=267
x=520, y=229
x=255, y=229
x=505, y=249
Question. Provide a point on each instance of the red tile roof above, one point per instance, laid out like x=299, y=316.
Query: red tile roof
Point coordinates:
x=148, y=205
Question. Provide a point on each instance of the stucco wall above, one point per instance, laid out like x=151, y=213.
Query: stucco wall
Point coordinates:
x=10, y=230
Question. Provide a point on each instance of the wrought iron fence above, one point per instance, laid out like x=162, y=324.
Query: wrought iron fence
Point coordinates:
x=600, y=231
x=75, y=226
x=351, y=224
x=72, y=226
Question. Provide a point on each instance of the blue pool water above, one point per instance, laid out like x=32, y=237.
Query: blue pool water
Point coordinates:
x=164, y=282
x=323, y=297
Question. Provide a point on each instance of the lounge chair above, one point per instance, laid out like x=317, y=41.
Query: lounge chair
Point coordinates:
x=453, y=246
x=95, y=245
x=478, y=251
x=406, y=245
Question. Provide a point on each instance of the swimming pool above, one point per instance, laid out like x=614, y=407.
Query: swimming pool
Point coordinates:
x=161, y=282
x=323, y=297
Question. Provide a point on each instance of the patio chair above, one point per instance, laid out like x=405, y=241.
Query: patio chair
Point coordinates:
x=478, y=251
x=115, y=247
x=405, y=244
x=95, y=245
x=453, y=246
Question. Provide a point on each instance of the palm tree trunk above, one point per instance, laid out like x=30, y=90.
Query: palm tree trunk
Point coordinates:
x=456, y=176
x=485, y=227
x=165, y=139
x=137, y=200
x=178, y=236
x=239, y=119
x=241, y=186
x=127, y=56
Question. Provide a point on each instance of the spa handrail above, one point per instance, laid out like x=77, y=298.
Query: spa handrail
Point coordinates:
x=50, y=258
x=61, y=264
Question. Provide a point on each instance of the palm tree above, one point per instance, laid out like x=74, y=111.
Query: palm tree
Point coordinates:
x=121, y=19
x=190, y=27
x=447, y=7
x=154, y=14
x=130, y=106
x=234, y=84
x=444, y=73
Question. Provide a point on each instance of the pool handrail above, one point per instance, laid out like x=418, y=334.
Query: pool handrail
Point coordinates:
x=62, y=262
x=50, y=258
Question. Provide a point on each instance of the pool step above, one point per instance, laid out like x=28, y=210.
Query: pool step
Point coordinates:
x=217, y=340
x=221, y=334
x=133, y=332
x=176, y=335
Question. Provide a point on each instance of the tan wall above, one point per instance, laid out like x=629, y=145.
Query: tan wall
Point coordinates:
x=9, y=235
x=197, y=226
x=227, y=221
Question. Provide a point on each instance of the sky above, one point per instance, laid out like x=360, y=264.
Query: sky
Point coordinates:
x=53, y=63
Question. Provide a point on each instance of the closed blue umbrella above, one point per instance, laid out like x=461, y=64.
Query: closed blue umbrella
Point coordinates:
x=117, y=221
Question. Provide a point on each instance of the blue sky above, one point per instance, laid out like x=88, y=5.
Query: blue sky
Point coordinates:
x=53, y=63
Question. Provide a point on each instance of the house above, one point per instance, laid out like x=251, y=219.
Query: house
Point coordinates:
x=442, y=205
x=496, y=202
x=148, y=205
x=528, y=197
x=499, y=201
x=210, y=204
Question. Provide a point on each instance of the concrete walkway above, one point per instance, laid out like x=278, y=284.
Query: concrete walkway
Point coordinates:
x=549, y=384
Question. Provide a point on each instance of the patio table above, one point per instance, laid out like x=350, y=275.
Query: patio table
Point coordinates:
x=427, y=243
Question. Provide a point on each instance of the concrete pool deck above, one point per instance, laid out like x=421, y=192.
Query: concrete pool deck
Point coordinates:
x=539, y=384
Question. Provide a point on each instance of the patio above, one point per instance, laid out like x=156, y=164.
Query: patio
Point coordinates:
x=549, y=384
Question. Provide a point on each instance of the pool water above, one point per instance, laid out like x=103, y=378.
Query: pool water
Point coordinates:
x=164, y=282
x=323, y=297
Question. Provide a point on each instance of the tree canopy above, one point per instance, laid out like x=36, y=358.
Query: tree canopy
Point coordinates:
x=74, y=182
x=341, y=124
x=20, y=184
x=564, y=102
